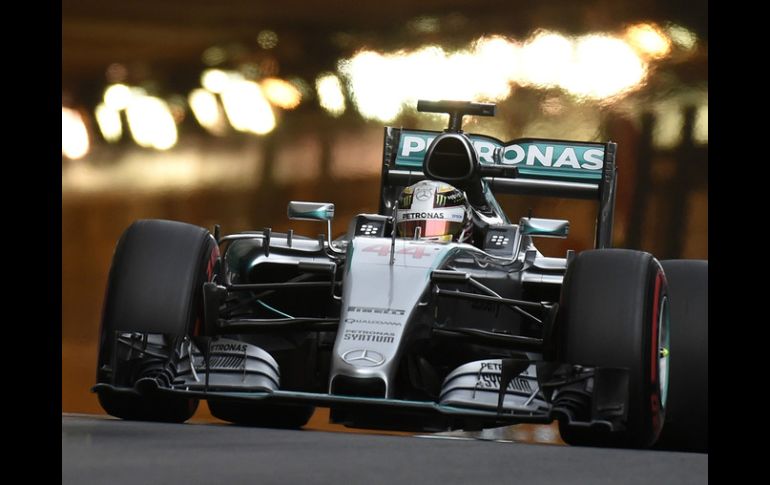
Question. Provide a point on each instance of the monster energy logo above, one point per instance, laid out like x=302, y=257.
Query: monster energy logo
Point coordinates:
x=454, y=198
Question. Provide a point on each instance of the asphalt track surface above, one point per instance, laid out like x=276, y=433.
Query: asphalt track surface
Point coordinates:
x=103, y=450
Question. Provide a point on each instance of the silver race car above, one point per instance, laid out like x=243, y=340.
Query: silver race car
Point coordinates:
x=436, y=313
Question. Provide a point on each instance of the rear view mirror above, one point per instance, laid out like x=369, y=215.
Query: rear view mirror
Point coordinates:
x=315, y=211
x=311, y=211
x=533, y=226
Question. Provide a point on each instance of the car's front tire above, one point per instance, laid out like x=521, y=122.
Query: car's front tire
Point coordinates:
x=154, y=287
x=614, y=313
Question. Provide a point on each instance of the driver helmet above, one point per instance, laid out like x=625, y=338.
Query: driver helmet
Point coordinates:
x=435, y=211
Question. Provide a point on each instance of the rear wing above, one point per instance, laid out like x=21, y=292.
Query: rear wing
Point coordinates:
x=531, y=166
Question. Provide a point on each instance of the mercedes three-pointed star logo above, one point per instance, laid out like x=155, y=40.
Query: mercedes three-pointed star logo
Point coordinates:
x=423, y=193
x=363, y=358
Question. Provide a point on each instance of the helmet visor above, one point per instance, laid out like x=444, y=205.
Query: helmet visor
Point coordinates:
x=429, y=228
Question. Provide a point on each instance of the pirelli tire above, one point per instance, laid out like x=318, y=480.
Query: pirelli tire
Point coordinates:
x=155, y=285
x=686, y=425
x=261, y=415
x=614, y=313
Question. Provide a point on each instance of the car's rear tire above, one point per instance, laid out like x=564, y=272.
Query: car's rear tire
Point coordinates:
x=261, y=415
x=154, y=286
x=613, y=309
x=686, y=425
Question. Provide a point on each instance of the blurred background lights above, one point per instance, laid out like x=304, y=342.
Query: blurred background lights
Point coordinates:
x=116, y=73
x=177, y=106
x=267, y=39
x=490, y=50
x=544, y=60
x=592, y=68
x=213, y=56
x=109, y=123
x=330, y=95
x=682, y=37
x=430, y=73
x=374, y=83
x=552, y=105
x=603, y=67
x=215, y=80
x=667, y=131
x=595, y=66
x=305, y=90
x=151, y=123
x=74, y=136
x=247, y=108
x=117, y=96
x=701, y=125
x=424, y=25
x=250, y=70
x=384, y=85
x=648, y=40
x=206, y=110
x=281, y=93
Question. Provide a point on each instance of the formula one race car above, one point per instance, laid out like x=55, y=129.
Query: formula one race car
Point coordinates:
x=436, y=313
